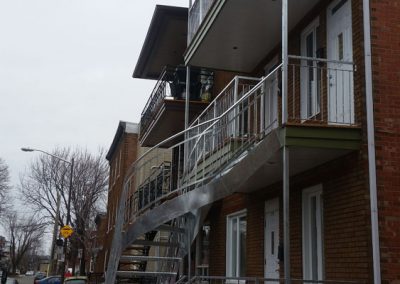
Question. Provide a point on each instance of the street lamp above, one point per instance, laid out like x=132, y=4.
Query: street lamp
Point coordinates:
x=71, y=163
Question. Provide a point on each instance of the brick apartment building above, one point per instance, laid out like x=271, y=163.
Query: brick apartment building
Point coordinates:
x=291, y=172
x=122, y=153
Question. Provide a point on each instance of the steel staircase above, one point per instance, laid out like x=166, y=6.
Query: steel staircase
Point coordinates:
x=213, y=159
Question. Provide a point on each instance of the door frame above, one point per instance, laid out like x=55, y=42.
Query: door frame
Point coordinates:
x=304, y=77
x=313, y=191
x=271, y=205
x=350, y=99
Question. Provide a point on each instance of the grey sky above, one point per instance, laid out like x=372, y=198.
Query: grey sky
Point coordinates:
x=65, y=72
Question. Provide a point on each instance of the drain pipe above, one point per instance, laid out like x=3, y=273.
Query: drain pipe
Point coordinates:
x=371, y=143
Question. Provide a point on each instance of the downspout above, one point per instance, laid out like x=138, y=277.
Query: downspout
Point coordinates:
x=371, y=143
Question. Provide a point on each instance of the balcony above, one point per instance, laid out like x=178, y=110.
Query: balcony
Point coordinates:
x=234, y=36
x=164, y=112
x=243, y=126
x=236, y=144
x=197, y=13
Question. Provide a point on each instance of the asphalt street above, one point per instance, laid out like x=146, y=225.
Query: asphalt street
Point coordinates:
x=25, y=279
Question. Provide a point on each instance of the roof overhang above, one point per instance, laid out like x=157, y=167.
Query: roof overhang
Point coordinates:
x=236, y=35
x=165, y=42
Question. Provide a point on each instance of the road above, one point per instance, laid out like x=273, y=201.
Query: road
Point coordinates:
x=25, y=279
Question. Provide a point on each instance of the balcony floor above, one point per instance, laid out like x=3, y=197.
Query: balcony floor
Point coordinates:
x=169, y=120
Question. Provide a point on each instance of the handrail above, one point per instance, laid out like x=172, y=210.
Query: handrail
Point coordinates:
x=320, y=59
x=162, y=74
x=221, y=94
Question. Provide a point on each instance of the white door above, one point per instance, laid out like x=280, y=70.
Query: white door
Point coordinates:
x=271, y=97
x=271, y=245
x=340, y=75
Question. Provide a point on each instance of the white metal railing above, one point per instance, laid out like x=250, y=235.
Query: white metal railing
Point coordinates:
x=161, y=174
x=197, y=12
x=171, y=85
x=321, y=91
x=215, y=141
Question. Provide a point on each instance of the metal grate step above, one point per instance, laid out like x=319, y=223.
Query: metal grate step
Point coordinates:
x=131, y=274
x=148, y=258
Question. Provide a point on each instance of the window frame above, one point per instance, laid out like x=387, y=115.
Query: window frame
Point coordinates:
x=308, y=269
x=229, y=218
x=308, y=112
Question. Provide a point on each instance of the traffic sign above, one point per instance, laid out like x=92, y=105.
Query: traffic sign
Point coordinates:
x=66, y=231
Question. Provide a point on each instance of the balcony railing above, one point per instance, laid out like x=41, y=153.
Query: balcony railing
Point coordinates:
x=197, y=12
x=320, y=92
x=172, y=86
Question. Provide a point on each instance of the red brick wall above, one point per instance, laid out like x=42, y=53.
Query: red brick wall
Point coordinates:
x=128, y=144
x=385, y=36
x=347, y=244
x=346, y=228
x=218, y=213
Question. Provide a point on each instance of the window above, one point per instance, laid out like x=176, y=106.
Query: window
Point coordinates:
x=310, y=77
x=236, y=245
x=312, y=233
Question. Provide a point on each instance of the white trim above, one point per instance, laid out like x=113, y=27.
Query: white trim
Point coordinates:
x=238, y=214
x=271, y=205
x=314, y=191
x=304, y=111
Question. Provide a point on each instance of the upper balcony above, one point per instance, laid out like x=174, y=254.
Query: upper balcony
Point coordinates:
x=236, y=35
x=164, y=112
x=197, y=13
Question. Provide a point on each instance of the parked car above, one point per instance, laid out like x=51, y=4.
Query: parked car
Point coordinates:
x=50, y=280
x=30, y=273
x=39, y=276
x=76, y=280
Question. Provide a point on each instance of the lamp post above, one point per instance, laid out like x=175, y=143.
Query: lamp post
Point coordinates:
x=71, y=163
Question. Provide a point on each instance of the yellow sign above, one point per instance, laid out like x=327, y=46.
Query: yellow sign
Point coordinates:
x=66, y=231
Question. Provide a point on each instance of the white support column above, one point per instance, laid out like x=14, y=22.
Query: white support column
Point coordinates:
x=286, y=199
x=187, y=98
x=286, y=219
x=284, y=60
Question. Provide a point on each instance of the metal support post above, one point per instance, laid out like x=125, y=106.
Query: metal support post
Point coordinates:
x=185, y=154
x=286, y=206
x=285, y=59
x=68, y=218
x=236, y=119
x=286, y=220
x=53, y=263
x=189, y=242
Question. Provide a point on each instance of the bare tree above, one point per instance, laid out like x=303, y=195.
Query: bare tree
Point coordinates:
x=48, y=175
x=24, y=235
x=4, y=186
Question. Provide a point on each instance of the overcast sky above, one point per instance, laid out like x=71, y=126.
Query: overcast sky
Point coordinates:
x=66, y=73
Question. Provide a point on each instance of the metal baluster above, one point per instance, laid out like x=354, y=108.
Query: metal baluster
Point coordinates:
x=343, y=99
x=336, y=89
x=321, y=94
